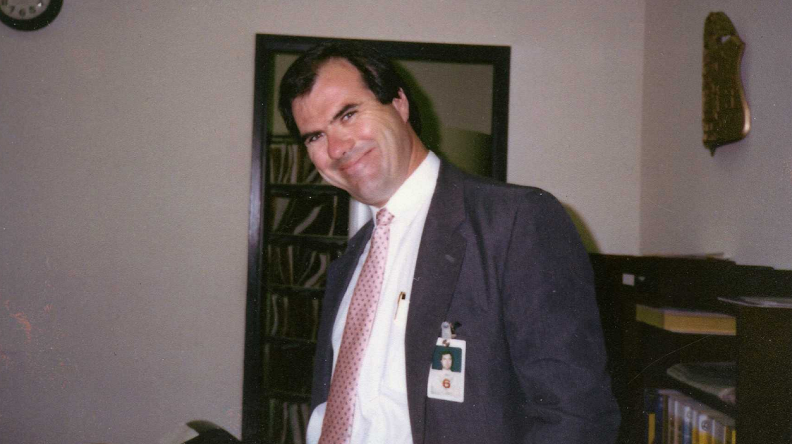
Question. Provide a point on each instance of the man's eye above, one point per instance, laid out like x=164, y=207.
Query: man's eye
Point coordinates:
x=348, y=115
x=311, y=139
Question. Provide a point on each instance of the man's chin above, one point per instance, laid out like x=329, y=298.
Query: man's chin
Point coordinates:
x=370, y=194
x=373, y=199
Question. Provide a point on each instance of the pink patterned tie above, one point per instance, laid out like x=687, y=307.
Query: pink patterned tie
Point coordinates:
x=337, y=424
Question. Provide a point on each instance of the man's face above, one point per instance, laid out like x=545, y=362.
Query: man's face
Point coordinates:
x=446, y=361
x=357, y=143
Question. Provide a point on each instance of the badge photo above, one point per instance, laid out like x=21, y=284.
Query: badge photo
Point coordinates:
x=447, y=372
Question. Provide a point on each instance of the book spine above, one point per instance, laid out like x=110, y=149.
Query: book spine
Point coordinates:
x=651, y=432
x=686, y=435
x=649, y=415
x=669, y=427
x=704, y=426
x=718, y=432
x=676, y=431
x=653, y=413
x=659, y=409
x=666, y=419
x=694, y=432
x=731, y=436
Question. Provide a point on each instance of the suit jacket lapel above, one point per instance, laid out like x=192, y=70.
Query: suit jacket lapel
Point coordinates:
x=437, y=269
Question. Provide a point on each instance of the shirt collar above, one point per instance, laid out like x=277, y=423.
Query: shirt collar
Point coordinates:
x=414, y=192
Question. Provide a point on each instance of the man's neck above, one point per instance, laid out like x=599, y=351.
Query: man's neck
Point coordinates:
x=418, y=152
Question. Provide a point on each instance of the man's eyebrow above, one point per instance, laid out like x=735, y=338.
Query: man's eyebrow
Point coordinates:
x=344, y=110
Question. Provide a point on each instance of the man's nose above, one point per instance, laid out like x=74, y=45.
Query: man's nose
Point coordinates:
x=338, y=144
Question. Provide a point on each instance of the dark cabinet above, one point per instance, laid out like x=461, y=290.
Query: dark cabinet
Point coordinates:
x=640, y=354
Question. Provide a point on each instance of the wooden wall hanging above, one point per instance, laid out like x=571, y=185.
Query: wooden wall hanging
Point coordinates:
x=725, y=114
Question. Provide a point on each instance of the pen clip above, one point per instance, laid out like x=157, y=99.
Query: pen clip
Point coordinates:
x=402, y=296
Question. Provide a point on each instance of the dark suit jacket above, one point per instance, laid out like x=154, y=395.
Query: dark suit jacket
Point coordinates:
x=506, y=263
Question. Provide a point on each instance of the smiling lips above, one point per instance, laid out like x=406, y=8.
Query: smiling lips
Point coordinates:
x=347, y=167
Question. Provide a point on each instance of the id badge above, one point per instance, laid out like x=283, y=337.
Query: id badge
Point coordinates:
x=447, y=372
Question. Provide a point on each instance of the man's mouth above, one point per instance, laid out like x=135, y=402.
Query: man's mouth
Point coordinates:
x=350, y=166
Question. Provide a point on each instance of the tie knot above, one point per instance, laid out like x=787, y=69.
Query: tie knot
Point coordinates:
x=384, y=217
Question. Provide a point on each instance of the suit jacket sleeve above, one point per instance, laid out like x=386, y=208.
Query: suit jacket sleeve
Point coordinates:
x=553, y=329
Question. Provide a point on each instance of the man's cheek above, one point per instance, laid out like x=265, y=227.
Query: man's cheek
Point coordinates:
x=318, y=161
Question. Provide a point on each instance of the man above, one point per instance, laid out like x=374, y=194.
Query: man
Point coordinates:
x=501, y=262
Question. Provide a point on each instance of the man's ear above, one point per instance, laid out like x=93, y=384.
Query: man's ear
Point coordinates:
x=402, y=105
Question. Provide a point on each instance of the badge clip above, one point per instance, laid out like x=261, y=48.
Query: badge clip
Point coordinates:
x=446, y=332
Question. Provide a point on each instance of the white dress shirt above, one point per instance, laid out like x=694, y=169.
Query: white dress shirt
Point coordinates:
x=381, y=414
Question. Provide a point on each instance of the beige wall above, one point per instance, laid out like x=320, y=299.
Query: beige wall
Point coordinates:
x=738, y=202
x=125, y=138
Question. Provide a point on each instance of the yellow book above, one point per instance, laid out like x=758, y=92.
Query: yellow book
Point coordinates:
x=687, y=321
x=722, y=428
x=704, y=426
x=650, y=424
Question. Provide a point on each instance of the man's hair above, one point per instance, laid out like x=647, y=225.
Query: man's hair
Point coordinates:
x=376, y=70
x=447, y=352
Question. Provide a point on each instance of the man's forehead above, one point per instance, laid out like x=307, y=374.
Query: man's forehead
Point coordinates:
x=338, y=65
x=335, y=75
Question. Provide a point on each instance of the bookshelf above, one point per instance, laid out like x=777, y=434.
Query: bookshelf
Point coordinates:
x=306, y=227
x=641, y=353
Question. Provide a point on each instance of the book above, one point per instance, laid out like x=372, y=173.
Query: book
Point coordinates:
x=651, y=401
x=719, y=432
x=655, y=401
x=651, y=431
x=674, y=420
x=687, y=321
x=723, y=431
x=704, y=426
x=688, y=413
x=687, y=421
x=667, y=422
x=716, y=378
